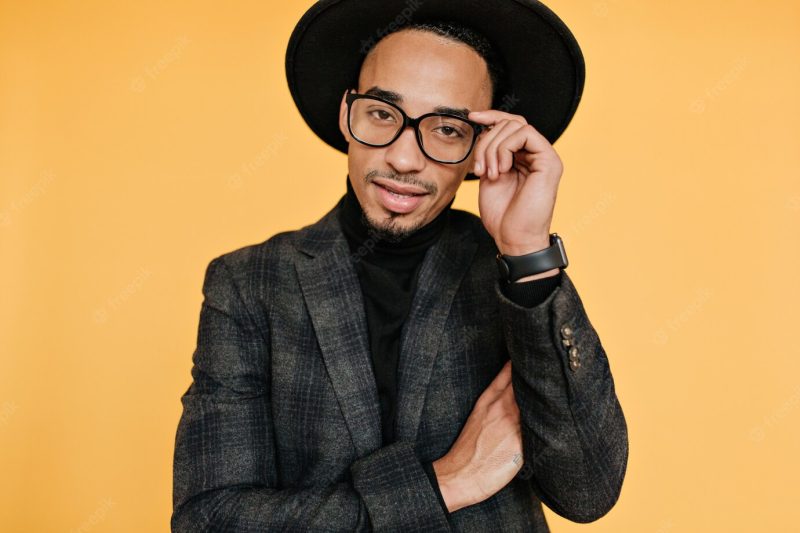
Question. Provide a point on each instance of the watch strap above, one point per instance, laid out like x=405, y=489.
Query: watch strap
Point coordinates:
x=514, y=267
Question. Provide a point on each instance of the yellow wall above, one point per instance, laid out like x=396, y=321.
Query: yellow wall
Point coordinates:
x=140, y=140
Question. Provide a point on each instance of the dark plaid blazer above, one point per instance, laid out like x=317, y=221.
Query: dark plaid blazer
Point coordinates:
x=280, y=429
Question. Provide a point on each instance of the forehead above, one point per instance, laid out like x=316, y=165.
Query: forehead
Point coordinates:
x=425, y=71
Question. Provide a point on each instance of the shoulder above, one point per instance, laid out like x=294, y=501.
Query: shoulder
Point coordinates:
x=249, y=269
x=262, y=262
x=243, y=259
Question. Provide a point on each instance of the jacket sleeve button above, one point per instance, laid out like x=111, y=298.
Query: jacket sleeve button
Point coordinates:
x=573, y=354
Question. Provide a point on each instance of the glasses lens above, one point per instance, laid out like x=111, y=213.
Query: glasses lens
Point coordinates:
x=446, y=139
x=374, y=122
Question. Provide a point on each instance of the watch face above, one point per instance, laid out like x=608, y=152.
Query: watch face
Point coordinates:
x=561, y=250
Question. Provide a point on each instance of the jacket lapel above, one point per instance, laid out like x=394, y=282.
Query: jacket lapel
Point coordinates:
x=335, y=303
x=445, y=264
x=333, y=295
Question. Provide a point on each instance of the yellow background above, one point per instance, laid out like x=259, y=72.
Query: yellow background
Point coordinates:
x=140, y=140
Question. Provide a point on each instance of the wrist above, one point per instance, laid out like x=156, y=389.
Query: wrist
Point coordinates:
x=524, y=249
x=454, y=492
x=547, y=274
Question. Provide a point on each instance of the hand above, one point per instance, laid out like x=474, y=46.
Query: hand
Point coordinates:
x=519, y=173
x=482, y=459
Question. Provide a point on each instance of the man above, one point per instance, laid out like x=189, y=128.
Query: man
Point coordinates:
x=373, y=371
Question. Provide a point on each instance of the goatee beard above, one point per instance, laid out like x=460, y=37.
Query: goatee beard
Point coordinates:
x=389, y=233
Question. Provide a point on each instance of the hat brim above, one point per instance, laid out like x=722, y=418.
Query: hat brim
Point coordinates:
x=545, y=70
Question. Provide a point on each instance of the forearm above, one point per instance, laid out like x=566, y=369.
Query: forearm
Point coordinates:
x=388, y=491
x=243, y=509
x=574, y=433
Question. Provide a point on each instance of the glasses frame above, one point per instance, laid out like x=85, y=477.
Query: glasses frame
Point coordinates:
x=414, y=123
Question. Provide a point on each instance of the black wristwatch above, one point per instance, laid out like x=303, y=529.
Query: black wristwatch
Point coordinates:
x=514, y=267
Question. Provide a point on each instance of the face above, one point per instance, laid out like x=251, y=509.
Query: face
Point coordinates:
x=425, y=71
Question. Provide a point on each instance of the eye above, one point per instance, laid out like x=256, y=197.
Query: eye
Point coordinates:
x=381, y=114
x=450, y=131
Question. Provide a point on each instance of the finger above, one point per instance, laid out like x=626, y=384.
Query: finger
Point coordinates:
x=536, y=142
x=498, y=385
x=503, y=378
x=491, y=116
x=509, y=146
x=534, y=155
x=479, y=161
x=482, y=152
x=509, y=400
x=493, y=148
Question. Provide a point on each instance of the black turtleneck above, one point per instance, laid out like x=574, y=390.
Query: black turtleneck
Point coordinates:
x=388, y=272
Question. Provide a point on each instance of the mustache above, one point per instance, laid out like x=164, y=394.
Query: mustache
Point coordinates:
x=401, y=178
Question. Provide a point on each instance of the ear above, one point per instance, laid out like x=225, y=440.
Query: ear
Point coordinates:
x=343, y=117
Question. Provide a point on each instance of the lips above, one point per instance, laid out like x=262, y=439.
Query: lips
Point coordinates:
x=399, y=202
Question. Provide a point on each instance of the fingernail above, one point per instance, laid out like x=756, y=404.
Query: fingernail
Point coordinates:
x=478, y=167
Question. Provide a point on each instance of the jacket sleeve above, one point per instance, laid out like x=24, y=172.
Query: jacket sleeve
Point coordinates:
x=574, y=434
x=225, y=474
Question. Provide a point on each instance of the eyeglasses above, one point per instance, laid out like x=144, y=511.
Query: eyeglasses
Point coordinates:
x=443, y=137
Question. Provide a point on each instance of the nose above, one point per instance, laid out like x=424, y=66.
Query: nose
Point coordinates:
x=404, y=154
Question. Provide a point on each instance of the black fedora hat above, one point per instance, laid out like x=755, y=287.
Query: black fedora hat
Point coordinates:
x=544, y=66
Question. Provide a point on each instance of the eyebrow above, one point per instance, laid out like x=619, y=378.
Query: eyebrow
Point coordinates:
x=396, y=98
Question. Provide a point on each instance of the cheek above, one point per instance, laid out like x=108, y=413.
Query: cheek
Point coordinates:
x=448, y=186
x=361, y=159
x=354, y=162
x=456, y=177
